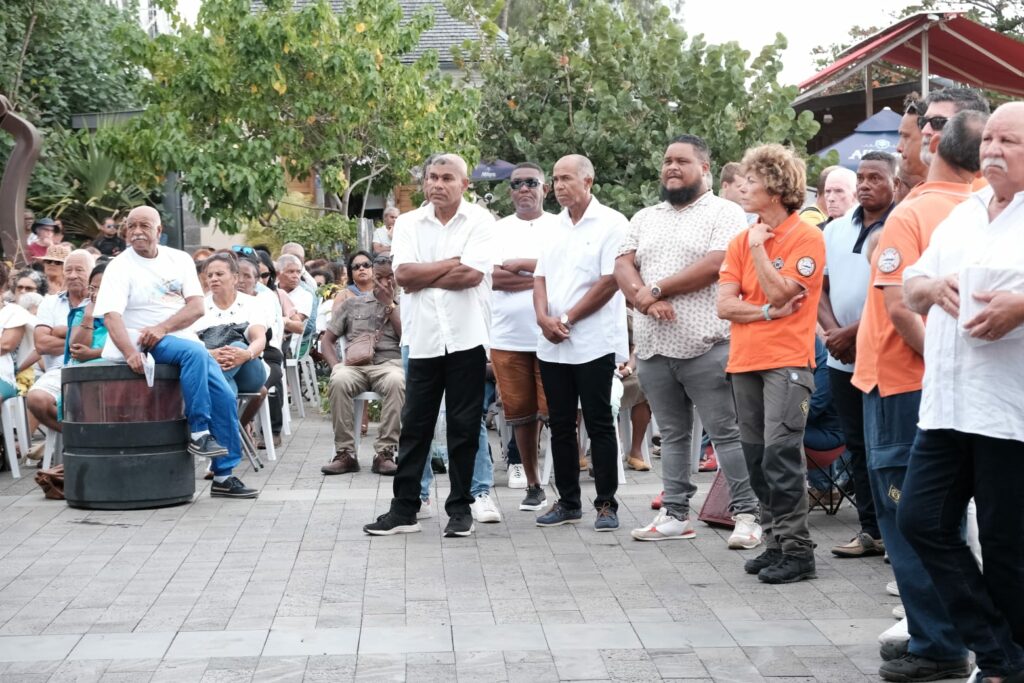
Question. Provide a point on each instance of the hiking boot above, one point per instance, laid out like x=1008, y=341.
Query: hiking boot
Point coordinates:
x=232, y=487
x=459, y=524
x=789, y=569
x=535, y=499
x=765, y=559
x=911, y=668
x=384, y=463
x=607, y=518
x=390, y=524
x=559, y=514
x=343, y=463
x=206, y=447
x=861, y=545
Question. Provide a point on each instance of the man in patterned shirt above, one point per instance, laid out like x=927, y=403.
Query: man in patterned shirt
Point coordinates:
x=668, y=269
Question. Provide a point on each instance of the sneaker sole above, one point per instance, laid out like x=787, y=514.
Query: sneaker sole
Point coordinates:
x=208, y=454
x=937, y=676
x=495, y=520
x=225, y=494
x=795, y=579
x=895, y=593
x=743, y=545
x=516, y=485
x=607, y=528
x=461, y=534
x=401, y=529
x=533, y=508
x=560, y=523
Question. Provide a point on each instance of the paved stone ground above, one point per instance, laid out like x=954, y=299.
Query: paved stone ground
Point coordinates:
x=287, y=588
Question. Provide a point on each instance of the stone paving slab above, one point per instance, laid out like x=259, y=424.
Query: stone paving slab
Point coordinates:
x=288, y=588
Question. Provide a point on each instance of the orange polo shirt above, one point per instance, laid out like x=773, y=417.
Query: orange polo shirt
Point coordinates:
x=884, y=359
x=798, y=252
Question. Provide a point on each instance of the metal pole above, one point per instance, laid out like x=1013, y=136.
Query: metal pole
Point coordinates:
x=869, y=94
x=925, y=77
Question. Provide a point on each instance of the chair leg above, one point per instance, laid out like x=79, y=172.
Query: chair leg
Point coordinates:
x=267, y=431
x=286, y=409
x=545, y=476
x=295, y=389
x=7, y=414
x=308, y=373
x=249, y=448
x=360, y=406
x=645, y=450
x=695, y=439
x=619, y=457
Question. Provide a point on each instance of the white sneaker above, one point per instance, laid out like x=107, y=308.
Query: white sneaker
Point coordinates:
x=484, y=510
x=665, y=528
x=892, y=589
x=897, y=633
x=898, y=612
x=516, y=477
x=747, y=533
x=425, y=511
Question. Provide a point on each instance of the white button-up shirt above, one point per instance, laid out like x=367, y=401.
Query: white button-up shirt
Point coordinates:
x=441, y=320
x=972, y=385
x=573, y=260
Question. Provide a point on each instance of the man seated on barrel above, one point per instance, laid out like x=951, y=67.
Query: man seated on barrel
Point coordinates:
x=150, y=298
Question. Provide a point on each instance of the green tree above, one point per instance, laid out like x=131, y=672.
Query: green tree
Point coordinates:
x=243, y=96
x=590, y=78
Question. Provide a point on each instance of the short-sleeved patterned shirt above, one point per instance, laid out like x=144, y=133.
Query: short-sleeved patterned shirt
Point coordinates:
x=667, y=240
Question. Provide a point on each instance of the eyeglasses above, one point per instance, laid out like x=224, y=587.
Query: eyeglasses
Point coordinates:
x=937, y=122
x=361, y=265
x=529, y=182
x=26, y=288
x=239, y=249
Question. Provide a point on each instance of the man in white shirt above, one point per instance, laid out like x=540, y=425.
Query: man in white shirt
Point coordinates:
x=514, y=332
x=51, y=333
x=289, y=278
x=668, y=268
x=382, y=235
x=847, y=277
x=442, y=255
x=970, y=440
x=149, y=300
x=582, y=317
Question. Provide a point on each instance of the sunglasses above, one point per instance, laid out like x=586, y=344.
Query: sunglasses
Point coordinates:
x=361, y=265
x=529, y=182
x=265, y=276
x=24, y=288
x=937, y=122
x=239, y=249
x=53, y=263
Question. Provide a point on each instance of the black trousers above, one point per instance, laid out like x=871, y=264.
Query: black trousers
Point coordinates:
x=460, y=378
x=849, y=403
x=589, y=386
x=275, y=359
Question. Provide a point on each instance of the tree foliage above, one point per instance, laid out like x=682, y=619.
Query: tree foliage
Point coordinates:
x=591, y=78
x=244, y=95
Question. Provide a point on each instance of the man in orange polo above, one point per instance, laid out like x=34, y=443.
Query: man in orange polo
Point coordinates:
x=889, y=370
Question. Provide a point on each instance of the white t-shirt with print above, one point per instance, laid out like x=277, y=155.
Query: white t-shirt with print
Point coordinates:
x=148, y=291
x=11, y=317
x=246, y=309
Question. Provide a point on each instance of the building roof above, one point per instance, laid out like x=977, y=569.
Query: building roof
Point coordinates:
x=446, y=32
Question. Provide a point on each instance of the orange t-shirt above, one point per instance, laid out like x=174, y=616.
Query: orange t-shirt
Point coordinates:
x=883, y=358
x=798, y=252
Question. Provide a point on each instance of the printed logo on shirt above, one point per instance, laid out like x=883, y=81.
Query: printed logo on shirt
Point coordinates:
x=778, y=263
x=889, y=260
x=806, y=266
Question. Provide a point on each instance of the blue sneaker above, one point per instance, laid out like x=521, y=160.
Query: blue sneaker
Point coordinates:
x=559, y=514
x=607, y=519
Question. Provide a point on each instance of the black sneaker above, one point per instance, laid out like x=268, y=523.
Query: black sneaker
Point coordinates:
x=232, y=487
x=206, y=447
x=535, y=499
x=889, y=651
x=789, y=569
x=911, y=668
x=459, y=524
x=765, y=559
x=390, y=524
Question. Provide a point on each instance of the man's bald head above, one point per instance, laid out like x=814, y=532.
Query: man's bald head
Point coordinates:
x=148, y=213
x=584, y=166
x=453, y=161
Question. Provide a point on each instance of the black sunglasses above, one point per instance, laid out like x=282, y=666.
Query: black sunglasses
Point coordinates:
x=361, y=265
x=938, y=122
x=264, y=276
x=239, y=249
x=529, y=182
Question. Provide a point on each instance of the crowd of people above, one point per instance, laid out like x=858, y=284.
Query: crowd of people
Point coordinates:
x=886, y=319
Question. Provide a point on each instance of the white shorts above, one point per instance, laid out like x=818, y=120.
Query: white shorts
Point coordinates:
x=49, y=382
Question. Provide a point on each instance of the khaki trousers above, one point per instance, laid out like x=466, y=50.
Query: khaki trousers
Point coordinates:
x=388, y=380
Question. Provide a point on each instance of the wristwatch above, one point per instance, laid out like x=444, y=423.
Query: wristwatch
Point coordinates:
x=565, y=320
x=656, y=291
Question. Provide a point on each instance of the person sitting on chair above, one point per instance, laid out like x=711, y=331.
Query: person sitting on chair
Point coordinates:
x=371, y=330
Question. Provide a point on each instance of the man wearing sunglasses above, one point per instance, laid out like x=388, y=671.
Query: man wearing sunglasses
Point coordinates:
x=108, y=241
x=519, y=239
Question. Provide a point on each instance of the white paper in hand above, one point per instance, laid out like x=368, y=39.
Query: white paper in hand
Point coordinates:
x=149, y=366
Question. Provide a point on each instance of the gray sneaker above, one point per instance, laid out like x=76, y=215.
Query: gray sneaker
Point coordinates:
x=535, y=499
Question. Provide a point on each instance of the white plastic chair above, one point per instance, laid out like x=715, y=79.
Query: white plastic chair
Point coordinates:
x=12, y=414
x=53, y=451
x=625, y=424
x=262, y=421
x=360, y=402
x=582, y=440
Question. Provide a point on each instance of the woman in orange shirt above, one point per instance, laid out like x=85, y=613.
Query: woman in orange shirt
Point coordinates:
x=769, y=286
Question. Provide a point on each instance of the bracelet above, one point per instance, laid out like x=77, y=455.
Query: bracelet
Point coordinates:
x=764, y=309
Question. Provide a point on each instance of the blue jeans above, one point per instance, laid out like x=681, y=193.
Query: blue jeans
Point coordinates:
x=209, y=402
x=946, y=469
x=247, y=378
x=890, y=426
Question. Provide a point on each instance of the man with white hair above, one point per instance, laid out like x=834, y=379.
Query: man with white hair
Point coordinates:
x=289, y=278
x=969, y=283
x=840, y=192
x=383, y=235
x=149, y=300
x=443, y=258
x=298, y=251
x=51, y=334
